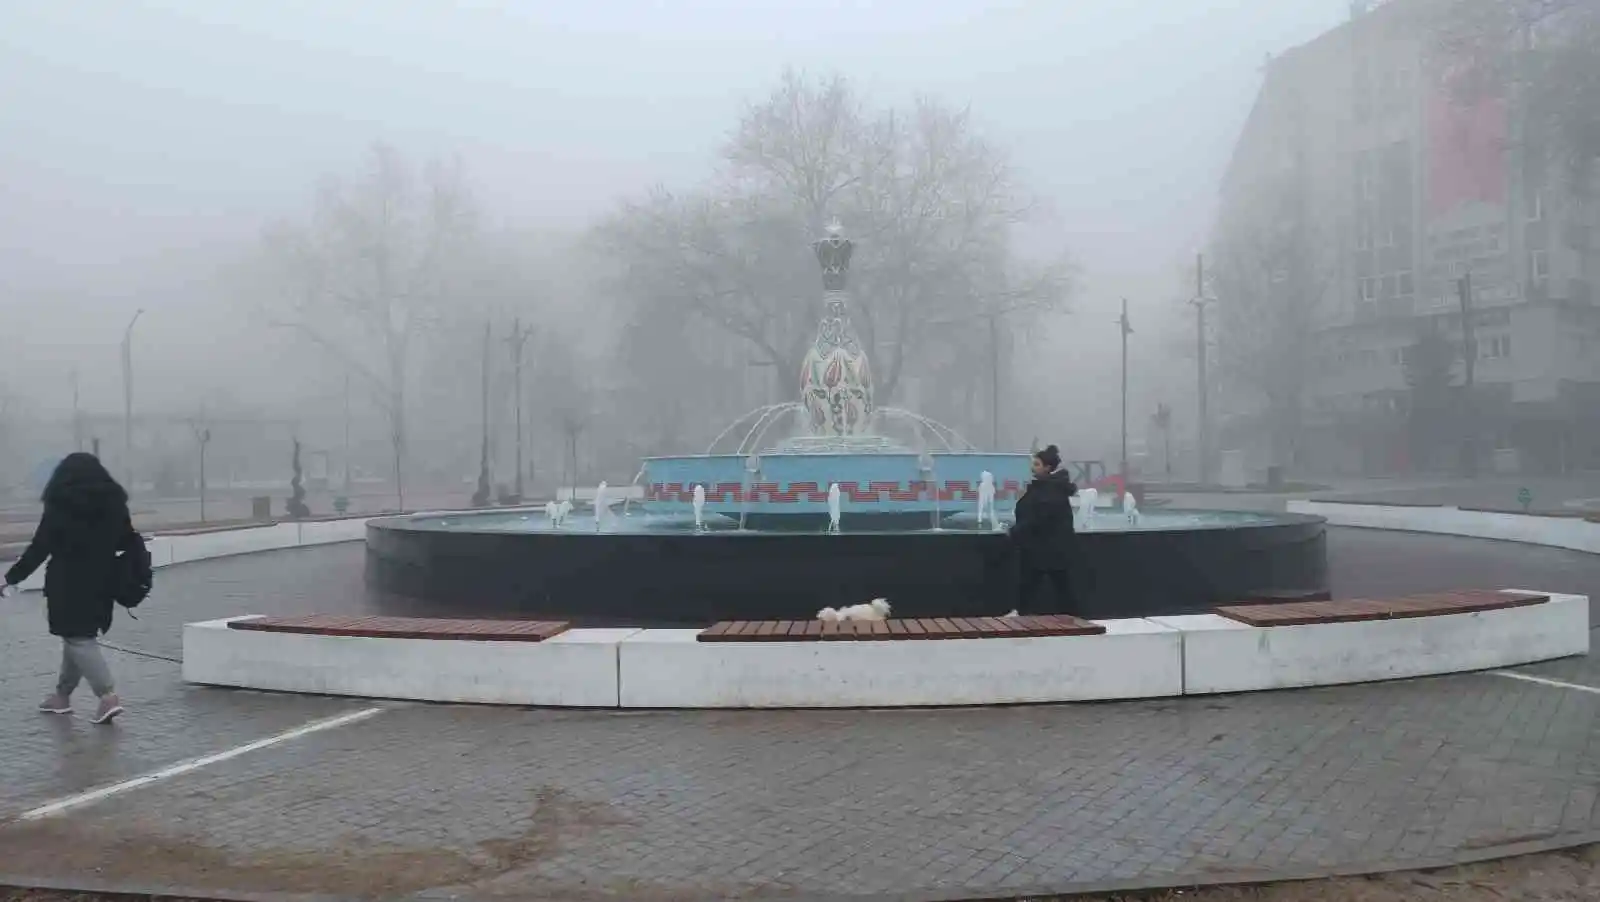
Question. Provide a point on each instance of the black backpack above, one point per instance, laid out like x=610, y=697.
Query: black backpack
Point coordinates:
x=134, y=573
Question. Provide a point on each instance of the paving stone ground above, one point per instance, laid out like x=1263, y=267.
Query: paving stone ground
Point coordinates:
x=546, y=804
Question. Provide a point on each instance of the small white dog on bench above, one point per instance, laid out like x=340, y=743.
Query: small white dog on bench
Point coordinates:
x=876, y=609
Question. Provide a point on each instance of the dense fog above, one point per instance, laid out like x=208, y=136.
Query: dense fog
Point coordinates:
x=320, y=208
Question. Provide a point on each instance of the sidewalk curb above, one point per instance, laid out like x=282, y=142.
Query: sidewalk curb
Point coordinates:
x=1132, y=889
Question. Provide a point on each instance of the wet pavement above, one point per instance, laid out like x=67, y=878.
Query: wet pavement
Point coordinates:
x=553, y=804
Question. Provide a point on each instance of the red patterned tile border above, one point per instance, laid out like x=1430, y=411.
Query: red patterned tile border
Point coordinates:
x=816, y=493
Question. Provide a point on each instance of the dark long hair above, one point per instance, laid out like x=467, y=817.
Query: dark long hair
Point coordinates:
x=1050, y=457
x=83, y=490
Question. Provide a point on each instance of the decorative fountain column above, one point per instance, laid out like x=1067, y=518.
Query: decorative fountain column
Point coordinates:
x=835, y=380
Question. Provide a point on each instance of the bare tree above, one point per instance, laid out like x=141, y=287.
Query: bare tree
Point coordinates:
x=735, y=263
x=374, y=261
x=1546, y=53
x=1429, y=363
x=809, y=143
x=1271, y=273
x=930, y=204
x=938, y=205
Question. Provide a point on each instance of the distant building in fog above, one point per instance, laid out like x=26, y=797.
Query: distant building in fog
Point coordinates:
x=1377, y=189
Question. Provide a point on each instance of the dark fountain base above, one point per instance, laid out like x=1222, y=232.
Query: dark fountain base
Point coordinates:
x=685, y=578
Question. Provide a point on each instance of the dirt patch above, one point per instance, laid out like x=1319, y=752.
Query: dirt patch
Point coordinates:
x=136, y=852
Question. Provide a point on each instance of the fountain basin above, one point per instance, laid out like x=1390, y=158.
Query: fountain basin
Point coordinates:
x=656, y=570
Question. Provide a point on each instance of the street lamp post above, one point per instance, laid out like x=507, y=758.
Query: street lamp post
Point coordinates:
x=1199, y=302
x=127, y=400
x=482, y=496
x=77, y=414
x=994, y=379
x=1469, y=357
x=1126, y=329
x=519, y=337
x=347, y=431
x=202, y=438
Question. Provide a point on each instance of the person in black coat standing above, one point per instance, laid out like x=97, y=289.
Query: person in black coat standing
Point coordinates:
x=85, y=522
x=1043, y=535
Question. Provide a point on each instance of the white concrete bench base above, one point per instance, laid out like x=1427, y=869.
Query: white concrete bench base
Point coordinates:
x=1222, y=655
x=1571, y=533
x=669, y=669
x=1138, y=658
x=577, y=669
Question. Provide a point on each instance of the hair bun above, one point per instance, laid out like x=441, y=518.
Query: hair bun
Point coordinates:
x=1052, y=449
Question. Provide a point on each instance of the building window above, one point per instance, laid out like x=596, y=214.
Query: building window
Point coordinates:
x=1539, y=267
x=1406, y=285
x=1369, y=289
x=1497, y=348
x=1535, y=206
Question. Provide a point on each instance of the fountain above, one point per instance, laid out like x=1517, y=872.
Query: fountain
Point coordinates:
x=600, y=509
x=986, y=499
x=1088, y=505
x=830, y=501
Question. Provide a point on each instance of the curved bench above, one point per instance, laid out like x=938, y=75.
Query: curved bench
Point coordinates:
x=810, y=664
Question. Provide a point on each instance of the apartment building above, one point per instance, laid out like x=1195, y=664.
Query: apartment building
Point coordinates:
x=1388, y=190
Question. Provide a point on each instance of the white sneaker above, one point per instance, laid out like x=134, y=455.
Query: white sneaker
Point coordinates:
x=110, y=707
x=56, y=704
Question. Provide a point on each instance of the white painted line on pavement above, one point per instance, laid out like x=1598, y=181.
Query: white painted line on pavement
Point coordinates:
x=1545, y=682
x=183, y=767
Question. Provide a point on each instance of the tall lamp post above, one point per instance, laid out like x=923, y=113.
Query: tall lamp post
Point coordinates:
x=1469, y=357
x=1200, y=300
x=127, y=400
x=519, y=337
x=481, y=497
x=1126, y=329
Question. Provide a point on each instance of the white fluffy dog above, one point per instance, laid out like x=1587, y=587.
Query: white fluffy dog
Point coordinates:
x=876, y=609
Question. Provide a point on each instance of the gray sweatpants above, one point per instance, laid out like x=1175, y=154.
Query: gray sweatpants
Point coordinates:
x=81, y=660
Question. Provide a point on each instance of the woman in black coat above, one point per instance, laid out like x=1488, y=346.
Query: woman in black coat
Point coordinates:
x=1043, y=535
x=85, y=522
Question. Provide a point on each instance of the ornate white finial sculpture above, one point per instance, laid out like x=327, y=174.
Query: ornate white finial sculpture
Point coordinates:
x=835, y=379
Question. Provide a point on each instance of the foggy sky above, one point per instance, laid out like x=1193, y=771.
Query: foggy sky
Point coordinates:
x=141, y=141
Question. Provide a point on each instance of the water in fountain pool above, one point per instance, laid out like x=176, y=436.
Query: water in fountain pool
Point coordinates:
x=578, y=523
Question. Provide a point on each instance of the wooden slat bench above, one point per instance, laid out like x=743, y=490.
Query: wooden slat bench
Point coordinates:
x=1351, y=610
x=407, y=628
x=890, y=630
